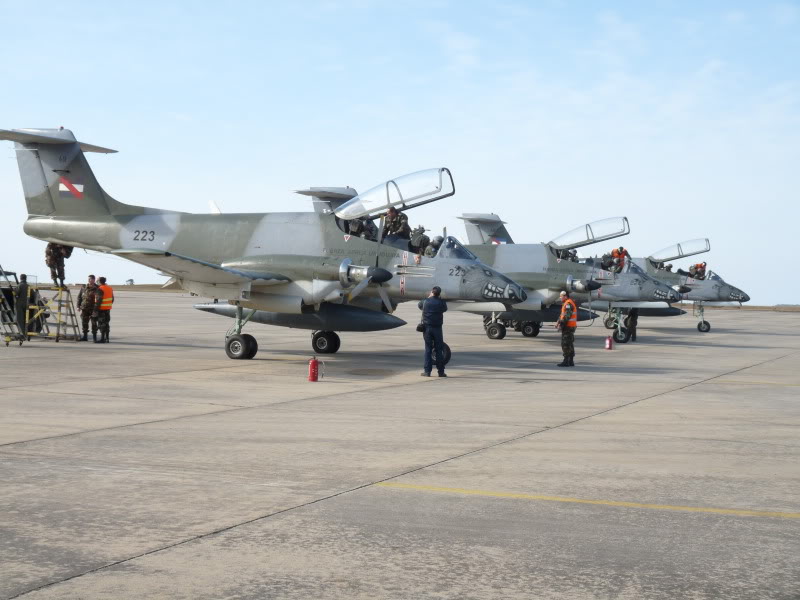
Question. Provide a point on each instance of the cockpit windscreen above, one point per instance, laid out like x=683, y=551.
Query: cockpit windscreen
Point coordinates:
x=452, y=248
x=687, y=248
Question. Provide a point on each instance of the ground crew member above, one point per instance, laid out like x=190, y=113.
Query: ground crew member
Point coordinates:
x=87, y=304
x=619, y=254
x=631, y=321
x=419, y=241
x=700, y=270
x=104, y=300
x=397, y=224
x=567, y=322
x=433, y=247
x=433, y=309
x=54, y=256
x=21, y=305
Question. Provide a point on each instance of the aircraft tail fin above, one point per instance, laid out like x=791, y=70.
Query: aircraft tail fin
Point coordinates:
x=483, y=228
x=56, y=177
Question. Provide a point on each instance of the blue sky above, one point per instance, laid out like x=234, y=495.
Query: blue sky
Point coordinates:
x=683, y=116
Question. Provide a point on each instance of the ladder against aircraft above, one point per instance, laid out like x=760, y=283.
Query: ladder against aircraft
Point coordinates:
x=50, y=312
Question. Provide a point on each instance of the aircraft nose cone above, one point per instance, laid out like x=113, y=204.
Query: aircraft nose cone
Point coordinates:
x=674, y=296
x=516, y=292
x=738, y=295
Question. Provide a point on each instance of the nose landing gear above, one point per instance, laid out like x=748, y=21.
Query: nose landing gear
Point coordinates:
x=703, y=326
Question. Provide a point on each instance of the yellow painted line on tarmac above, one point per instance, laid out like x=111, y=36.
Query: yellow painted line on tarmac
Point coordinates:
x=735, y=382
x=697, y=509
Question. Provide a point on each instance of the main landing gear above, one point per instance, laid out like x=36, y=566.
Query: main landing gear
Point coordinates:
x=496, y=329
x=238, y=345
x=325, y=342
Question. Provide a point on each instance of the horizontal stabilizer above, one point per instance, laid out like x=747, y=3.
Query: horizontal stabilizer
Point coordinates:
x=48, y=136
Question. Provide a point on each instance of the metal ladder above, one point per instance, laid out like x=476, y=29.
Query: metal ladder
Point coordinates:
x=56, y=314
x=8, y=322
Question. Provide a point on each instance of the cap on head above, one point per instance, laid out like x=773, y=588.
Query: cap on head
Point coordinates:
x=436, y=290
x=563, y=293
x=621, y=248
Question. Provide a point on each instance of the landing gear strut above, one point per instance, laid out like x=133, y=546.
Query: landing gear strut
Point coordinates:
x=613, y=321
x=325, y=342
x=703, y=326
x=238, y=345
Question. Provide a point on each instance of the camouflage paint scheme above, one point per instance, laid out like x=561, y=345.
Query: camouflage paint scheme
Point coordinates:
x=287, y=263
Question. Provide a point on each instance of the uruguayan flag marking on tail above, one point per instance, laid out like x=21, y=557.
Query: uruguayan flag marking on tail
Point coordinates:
x=67, y=188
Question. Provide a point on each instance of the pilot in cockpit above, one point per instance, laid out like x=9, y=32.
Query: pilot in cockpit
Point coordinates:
x=434, y=246
x=364, y=228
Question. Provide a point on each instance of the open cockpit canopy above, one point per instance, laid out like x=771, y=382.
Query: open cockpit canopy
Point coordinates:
x=682, y=250
x=408, y=191
x=591, y=233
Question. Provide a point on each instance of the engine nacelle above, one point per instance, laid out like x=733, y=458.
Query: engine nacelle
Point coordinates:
x=350, y=273
x=585, y=285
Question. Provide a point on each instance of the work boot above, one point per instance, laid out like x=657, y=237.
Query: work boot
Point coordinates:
x=425, y=374
x=442, y=374
x=571, y=361
x=85, y=337
x=564, y=363
x=55, y=282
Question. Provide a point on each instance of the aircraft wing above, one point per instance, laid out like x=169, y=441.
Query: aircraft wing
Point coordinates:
x=195, y=269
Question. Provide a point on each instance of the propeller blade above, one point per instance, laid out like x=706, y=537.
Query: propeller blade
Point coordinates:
x=385, y=297
x=359, y=288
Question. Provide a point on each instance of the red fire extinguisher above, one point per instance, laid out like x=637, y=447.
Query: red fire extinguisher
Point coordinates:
x=313, y=369
x=609, y=343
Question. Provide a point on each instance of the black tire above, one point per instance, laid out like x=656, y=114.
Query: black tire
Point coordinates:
x=447, y=354
x=704, y=327
x=496, y=331
x=252, y=345
x=325, y=342
x=237, y=347
x=621, y=336
x=337, y=342
x=530, y=329
x=609, y=323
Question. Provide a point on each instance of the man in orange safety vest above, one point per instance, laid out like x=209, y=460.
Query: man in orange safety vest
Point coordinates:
x=104, y=300
x=568, y=323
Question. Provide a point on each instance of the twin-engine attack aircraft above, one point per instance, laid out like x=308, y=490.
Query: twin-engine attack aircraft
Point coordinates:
x=299, y=270
x=709, y=288
x=547, y=269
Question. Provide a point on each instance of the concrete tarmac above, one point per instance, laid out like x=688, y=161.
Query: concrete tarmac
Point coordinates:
x=155, y=467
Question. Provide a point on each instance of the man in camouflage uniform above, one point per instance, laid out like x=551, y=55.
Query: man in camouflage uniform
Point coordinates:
x=87, y=304
x=397, y=224
x=419, y=241
x=54, y=256
x=567, y=323
x=104, y=298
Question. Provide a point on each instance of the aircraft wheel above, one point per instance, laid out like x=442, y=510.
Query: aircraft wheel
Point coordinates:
x=237, y=347
x=621, y=337
x=337, y=342
x=609, y=323
x=252, y=345
x=704, y=327
x=496, y=331
x=447, y=354
x=530, y=329
x=325, y=342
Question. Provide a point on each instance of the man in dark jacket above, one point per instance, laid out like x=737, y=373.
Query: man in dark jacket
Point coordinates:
x=433, y=309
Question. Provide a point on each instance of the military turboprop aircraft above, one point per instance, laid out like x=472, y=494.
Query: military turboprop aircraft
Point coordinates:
x=708, y=288
x=290, y=269
x=546, y=269
x=701, y=289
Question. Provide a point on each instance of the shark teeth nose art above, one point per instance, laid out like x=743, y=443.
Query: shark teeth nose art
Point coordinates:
x=493, y=291
x=660, y=295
